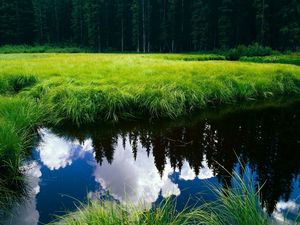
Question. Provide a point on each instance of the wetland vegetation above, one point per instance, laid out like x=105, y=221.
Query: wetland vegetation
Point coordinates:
x=54, y=89
x=240, y=205
x=80, y=64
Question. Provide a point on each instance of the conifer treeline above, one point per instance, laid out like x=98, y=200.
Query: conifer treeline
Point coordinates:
x=151, y=25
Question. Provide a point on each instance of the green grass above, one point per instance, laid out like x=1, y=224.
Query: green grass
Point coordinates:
x=111, y=213
x=15, y=83
x=12, y=189
x=238, y=205
x=7, y=49
x=293, y=58
x=18, y=119
x=84, y=88
x=188, y=57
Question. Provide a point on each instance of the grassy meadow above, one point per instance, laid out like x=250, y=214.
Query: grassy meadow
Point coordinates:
x=83, y=88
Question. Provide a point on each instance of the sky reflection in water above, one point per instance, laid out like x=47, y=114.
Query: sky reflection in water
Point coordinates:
x=144, y=164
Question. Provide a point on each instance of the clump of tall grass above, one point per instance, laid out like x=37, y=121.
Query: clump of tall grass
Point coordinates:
x=18, y=118
x=15, y=83
x=83, y=105
x=237, y=205
x=112, y=213
x=12, y=188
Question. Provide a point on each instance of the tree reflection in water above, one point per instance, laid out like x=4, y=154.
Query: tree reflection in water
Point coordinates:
x=267, y=140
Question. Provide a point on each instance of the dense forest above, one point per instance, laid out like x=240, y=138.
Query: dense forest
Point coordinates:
x=151, y=25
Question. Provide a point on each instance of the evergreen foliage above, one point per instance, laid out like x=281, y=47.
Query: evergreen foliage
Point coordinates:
x=151, y=25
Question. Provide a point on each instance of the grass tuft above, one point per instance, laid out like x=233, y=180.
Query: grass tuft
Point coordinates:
x=235, y=205
x=18, y=118
x=16, y=83
x=112, y=213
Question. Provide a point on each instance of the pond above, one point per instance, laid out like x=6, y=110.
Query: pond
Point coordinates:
x=146, y=162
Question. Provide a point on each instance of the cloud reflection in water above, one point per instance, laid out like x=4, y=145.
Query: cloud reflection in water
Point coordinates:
x=126, y=179
x=26, y=213
x=133, y=180
x=56, y=152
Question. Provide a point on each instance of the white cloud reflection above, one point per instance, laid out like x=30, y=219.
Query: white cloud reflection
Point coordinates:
x=187, y=173
x=135, y=181
x=26, y=213
x=56, y=152
x=282, y=208
x=126, y=179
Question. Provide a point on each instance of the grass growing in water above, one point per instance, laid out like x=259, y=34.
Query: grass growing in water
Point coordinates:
x=239, y=205
x=111, y=213
x=18, y=120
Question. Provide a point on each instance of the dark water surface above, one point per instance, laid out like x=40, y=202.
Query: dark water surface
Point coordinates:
x=147, y=162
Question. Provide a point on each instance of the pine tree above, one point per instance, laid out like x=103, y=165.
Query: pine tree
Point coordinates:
x=39, y=7
x=290, y=29
x=7, y=22
x=200, y=25
x=79, y=27
x=121, y=8
x=154, y=21
x=244, y=22
x=151, y=25
x=136, y=24
x=172, y=24
x=94, y=18
x=17, y=21
x=225, y=28
x=262, y=13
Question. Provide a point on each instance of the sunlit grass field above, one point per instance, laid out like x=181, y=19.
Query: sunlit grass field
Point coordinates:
x=84, y=88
